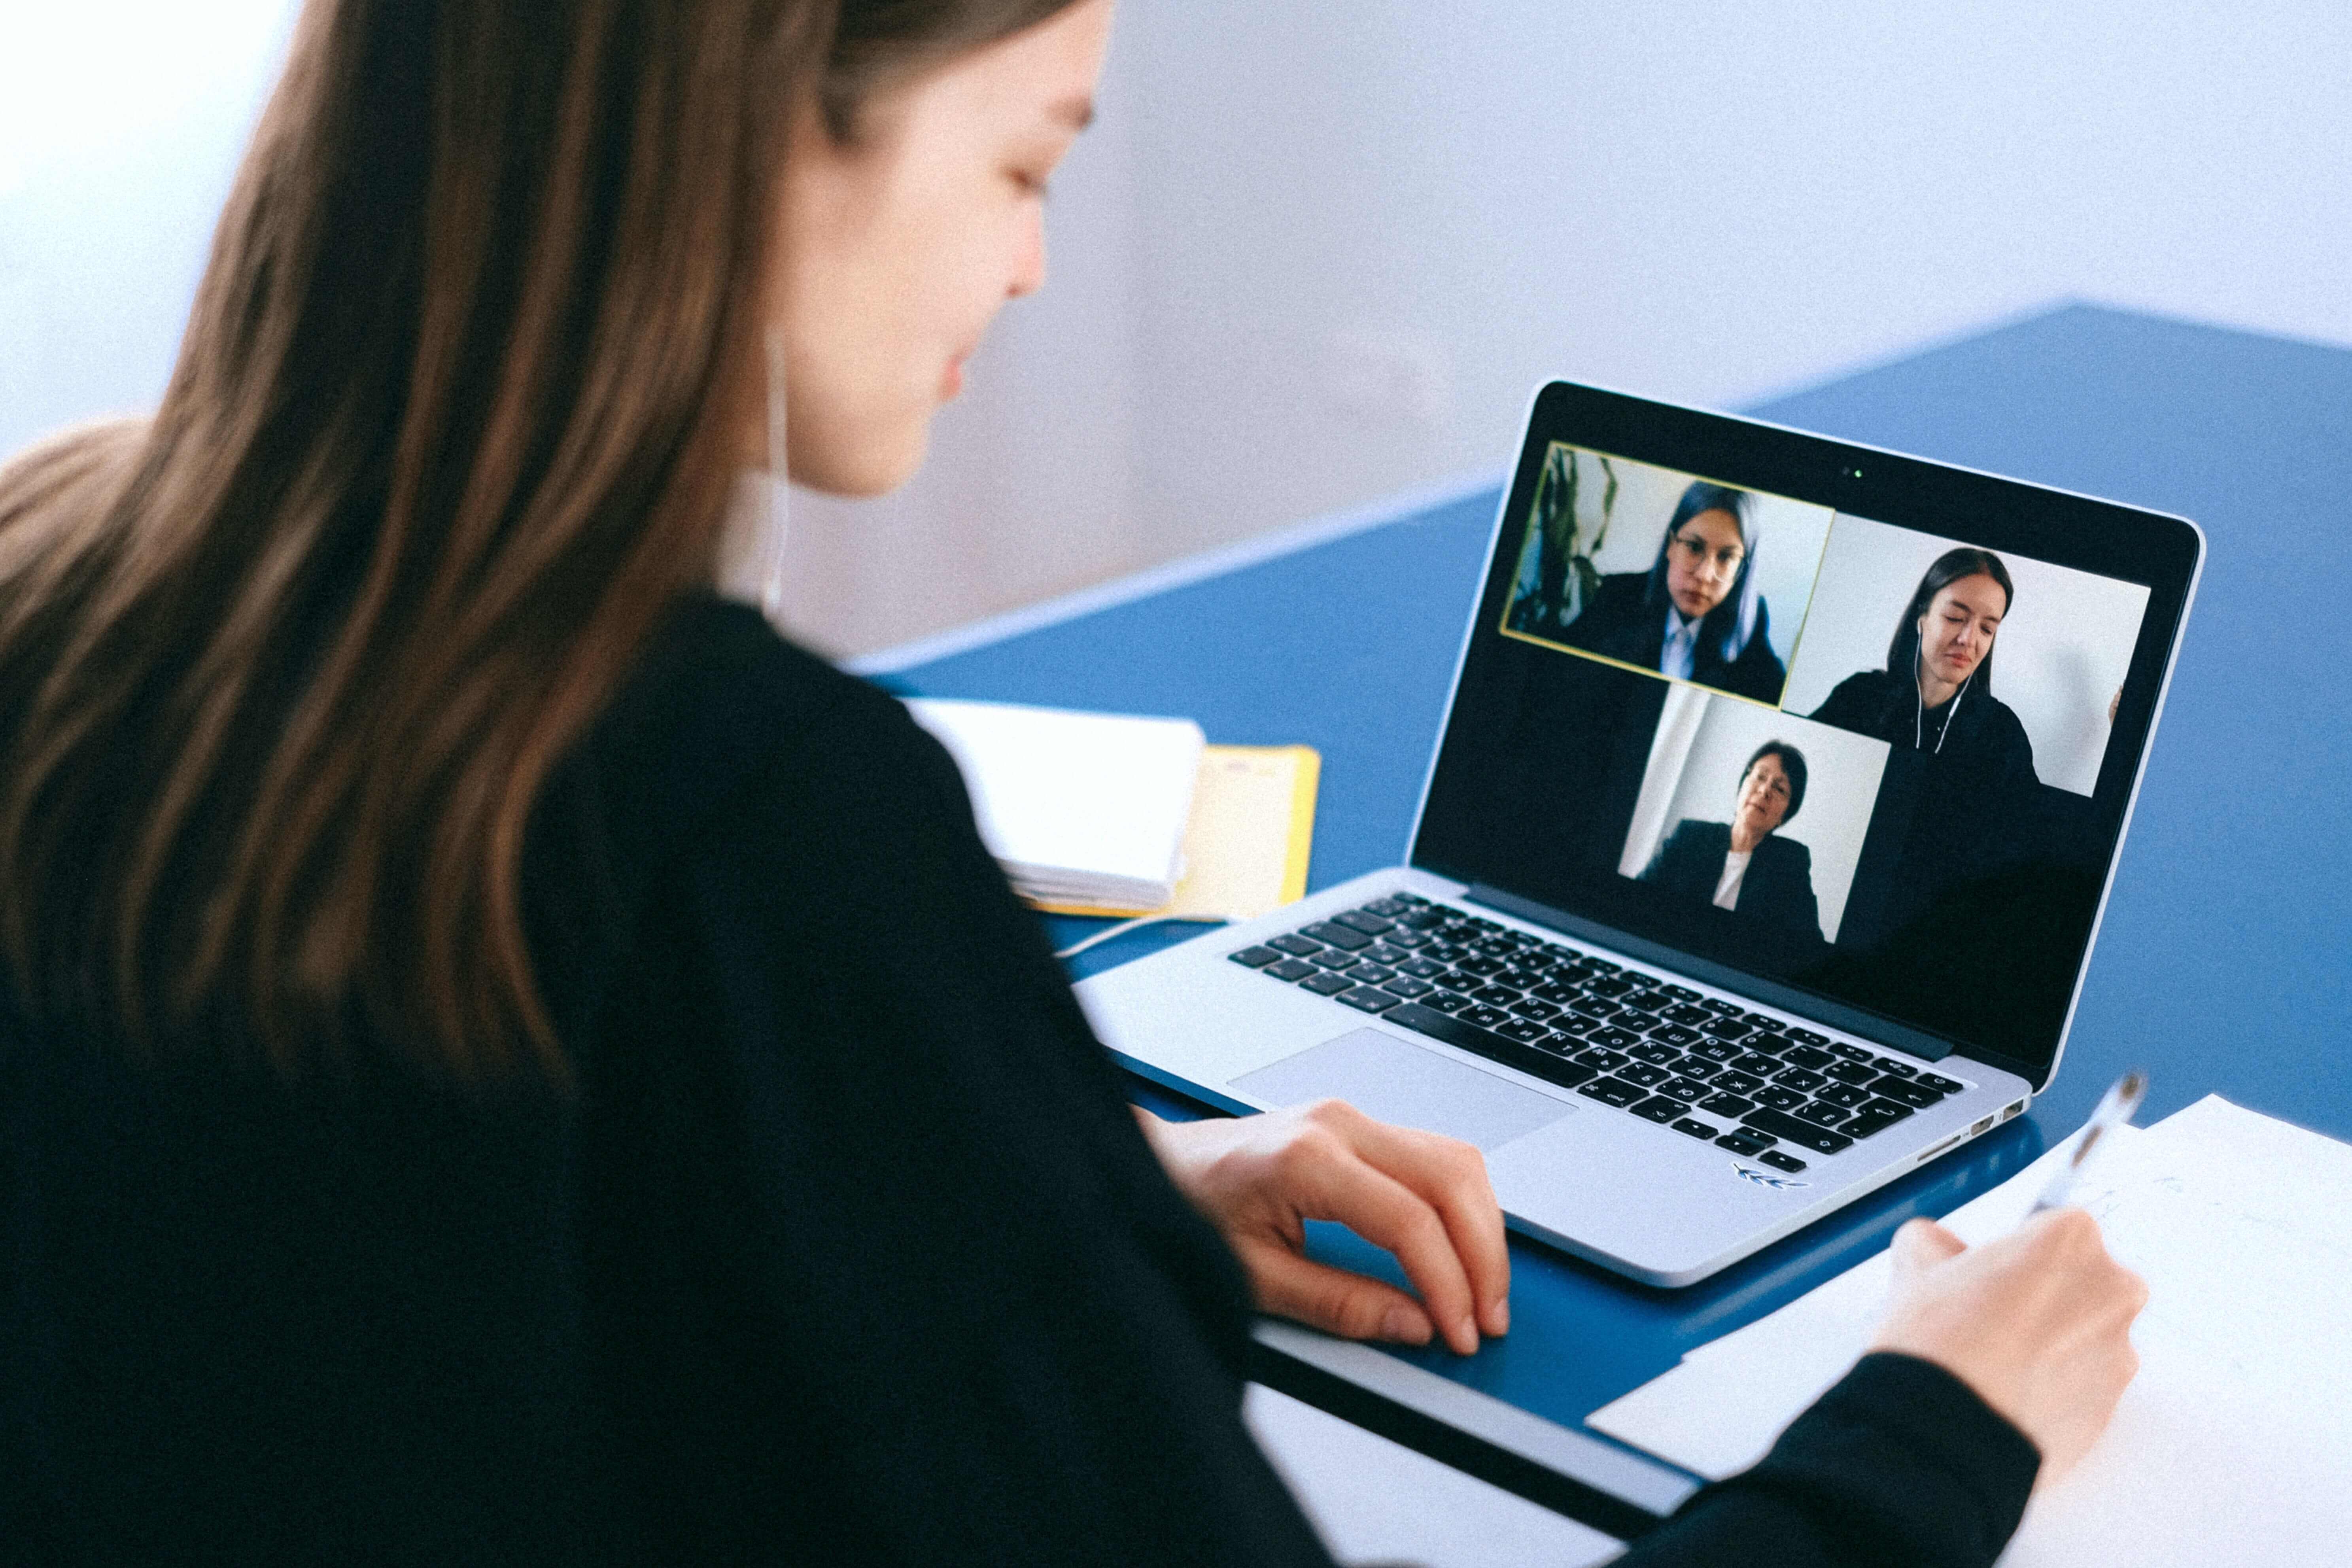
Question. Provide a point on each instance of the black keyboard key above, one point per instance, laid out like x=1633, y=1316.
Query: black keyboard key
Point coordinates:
x=1533, y=1007
x=1523, y=1030
x=1680, y=993
x=1471, y=964
x=1698, y=1068
x=1727, y=1105
x=1868, y=1121
x=1780, y=1098
x=1610, y=986
x=1906, y=1091
x=1333, y=958
x=1416, y=899
x=1494, y=996
x=1689, y=1015
x=1492, y=1046
x=1803, y=1134
x=1767, y=1026
x=1599, y=1007
x=1456, y=980
x=1335, y=935
x=1407, y=986
x=1382, y=952
x=1423, y=920
x=1572, y=1024
x=1370, y=973
x=1821, y=1115
x=1673, y=1035
x=1844, y=1095
x=1779, y=1161
x=1661, y=1111
x=1290, y=969
x=1746, y=1141
x=1480, y=1015
x=1390, y=908
x=1503, y=946
x=1733, y=1081
x=1446, y=952
x=1633, y=1018
x=1552, y=991
x=1600, y=965
x=1650, y=1001
x=1800, y=1056
x=1643, y=1074
x=1327, y=984
x=1717, y=1050
x=1656, y=1055
x=1607, y=1061
x=1807, y=1038
x=1853, y=1072
x=1366, y=999
x=1295, y=944
x=1364, y=920
x=1690, y=1092
x=1444, y=1001
x=1519, y=977
x=1798, y=1077
x=1726, y=1028
x=1691, y=1127
x=1940, y=1084
x=1851, y=1053
x=1717, y=1005
x=1614, y=1039
x=1900, y=1069
x=1755, y=1062
x=1613, y=1092
x=1255, y=957
x=1404, y=937
x=1421, y=968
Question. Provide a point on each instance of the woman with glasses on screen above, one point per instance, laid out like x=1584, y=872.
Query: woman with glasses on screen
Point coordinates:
x=1696, y=614
x=504, y=1059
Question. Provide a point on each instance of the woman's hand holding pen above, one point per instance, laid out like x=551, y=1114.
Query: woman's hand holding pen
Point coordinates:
x=1424, y=1197
x=2037, y=1322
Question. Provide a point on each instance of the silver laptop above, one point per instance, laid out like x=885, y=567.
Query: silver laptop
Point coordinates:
x=1762, y=851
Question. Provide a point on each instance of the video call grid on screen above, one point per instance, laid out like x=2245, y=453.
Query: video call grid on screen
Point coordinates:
x=1805, y=602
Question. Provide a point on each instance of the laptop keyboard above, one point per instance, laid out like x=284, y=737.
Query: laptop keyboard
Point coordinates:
x=1709, y=1068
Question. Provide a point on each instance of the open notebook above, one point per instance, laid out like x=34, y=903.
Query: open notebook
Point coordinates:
x=2230, y=1444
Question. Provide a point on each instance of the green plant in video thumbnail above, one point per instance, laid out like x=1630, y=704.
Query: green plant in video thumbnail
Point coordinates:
x=1557, y=577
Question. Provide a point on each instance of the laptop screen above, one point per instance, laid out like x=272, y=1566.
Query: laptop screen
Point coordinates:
x=1858, y=731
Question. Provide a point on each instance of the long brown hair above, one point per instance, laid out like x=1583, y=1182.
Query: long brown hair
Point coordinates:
x=284, y=669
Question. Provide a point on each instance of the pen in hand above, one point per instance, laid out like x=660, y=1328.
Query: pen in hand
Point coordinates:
x=2116, y=1106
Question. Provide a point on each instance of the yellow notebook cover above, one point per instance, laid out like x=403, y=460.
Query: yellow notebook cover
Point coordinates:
x=1246, y=844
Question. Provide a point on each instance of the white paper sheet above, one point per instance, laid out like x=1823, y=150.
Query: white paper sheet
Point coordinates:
x=2234, y=1445
x=1081, y=808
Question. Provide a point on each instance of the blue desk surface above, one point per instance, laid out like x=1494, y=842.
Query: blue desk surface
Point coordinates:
x=2222, y=962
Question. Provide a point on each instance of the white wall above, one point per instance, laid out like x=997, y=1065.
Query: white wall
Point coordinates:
x=1698, y=778
x=1313, y=255
x=2061, y=655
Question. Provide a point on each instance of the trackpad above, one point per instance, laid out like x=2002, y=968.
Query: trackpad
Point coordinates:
x=1391, y=1079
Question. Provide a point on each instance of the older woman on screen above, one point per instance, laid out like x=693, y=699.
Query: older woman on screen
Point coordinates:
x=1745, y=865
x=1696, y=614
x=1935, y=693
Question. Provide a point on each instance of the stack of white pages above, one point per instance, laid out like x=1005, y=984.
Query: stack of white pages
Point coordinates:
x=1080, y=810
x=2230, y=1444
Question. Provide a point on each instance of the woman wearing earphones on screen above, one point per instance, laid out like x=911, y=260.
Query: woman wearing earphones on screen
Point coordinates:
x=505, y=1058
x=1697, y=614
x=1935, y=693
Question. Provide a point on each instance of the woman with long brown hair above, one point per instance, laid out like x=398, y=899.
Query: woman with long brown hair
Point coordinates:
x=504, y=1059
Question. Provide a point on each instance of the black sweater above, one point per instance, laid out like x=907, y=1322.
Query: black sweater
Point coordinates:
x=847, y=1251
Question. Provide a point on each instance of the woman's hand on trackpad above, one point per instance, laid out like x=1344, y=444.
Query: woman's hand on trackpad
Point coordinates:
x=1423, y=1196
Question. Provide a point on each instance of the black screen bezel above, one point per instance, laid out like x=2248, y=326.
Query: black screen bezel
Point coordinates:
x=2157, y=550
